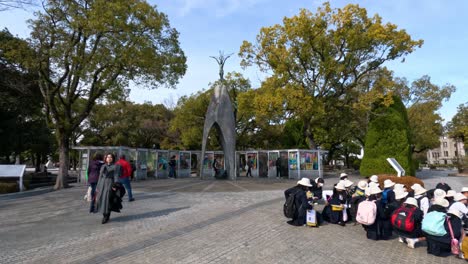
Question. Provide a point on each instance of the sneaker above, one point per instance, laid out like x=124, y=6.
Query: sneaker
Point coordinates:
x=411, y=242
x=400, y=239
x=131, y=200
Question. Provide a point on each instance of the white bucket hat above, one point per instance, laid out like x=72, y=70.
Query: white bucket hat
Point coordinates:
x=418, y=189
x=347, y=183
x=374, y=190
x=388, y=183
x=400, y=194
x=442, y=202
x=374, y=178
x=362, y=185
x=340, y=186
x=459, y=197
x=464, y=189
x=399, y=186
x=439, y=193
x=367, y=191
x=305, y=182
x=412, y=201
x=342, y=175
x=455, y=212
x=451, y=193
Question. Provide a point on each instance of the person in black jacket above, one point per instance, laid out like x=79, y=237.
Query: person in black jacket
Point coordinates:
x=444, y=186
x=333, y=210
x=316, y=188
x=301, y=201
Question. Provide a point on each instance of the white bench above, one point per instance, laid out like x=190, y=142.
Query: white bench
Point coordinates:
x=12, y=171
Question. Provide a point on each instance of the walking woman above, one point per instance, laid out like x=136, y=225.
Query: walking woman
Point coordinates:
x=109, y=175
x=94, y=169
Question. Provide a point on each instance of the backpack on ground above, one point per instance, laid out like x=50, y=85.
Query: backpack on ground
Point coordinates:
x=366, y=213
x=289, y=207
x=403, y=220
x=433, y=223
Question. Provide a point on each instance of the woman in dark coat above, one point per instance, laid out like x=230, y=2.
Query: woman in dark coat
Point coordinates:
x=301, y=202
x=94, y=169
x=109, y=175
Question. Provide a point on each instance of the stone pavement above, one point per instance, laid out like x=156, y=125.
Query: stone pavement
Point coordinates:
x=190, y=221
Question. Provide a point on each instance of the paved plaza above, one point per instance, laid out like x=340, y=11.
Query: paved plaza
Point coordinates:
x=189, y=221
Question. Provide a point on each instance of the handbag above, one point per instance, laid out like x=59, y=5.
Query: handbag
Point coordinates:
x=336, y=208
x=87, y=196
x=453, y=242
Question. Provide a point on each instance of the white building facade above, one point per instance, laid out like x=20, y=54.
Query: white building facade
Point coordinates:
x=448, y=152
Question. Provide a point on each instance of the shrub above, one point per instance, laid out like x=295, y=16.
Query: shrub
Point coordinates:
x=8, y=187
x=408, y=181
x=388, y=136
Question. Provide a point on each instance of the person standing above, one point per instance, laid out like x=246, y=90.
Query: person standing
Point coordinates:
x=249, y=168
x=125, y=177
x=278, y=168
x=109, y=174
x=172, y=167
x=93, y=176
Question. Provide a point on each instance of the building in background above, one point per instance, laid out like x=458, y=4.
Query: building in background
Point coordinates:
x=449, y=151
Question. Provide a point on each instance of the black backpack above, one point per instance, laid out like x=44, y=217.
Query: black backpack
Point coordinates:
x=289, y=207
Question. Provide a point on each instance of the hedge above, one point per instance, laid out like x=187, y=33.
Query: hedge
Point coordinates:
x=388, y=136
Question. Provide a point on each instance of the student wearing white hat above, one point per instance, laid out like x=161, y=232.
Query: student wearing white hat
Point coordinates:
x=460, y=203
x=333, y=211
x=301, y=202
x=381, y=229
x=450, y=196
x=420, y=195
x=440, y=245
x=464, y=191
x=388, y=195
x=358, y=196
x=343, y=176
x=408, y=211
x=374, y=178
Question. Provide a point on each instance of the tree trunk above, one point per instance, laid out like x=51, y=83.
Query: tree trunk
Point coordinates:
x=64, y=147
x=37, y=161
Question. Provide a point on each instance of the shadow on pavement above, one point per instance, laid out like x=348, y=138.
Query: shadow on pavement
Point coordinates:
x=147, y=215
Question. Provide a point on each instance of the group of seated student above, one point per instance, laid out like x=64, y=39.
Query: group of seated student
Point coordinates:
x=413, y=215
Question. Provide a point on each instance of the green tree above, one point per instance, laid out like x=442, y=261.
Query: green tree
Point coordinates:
x=127, y=124
x=388, y=136
x=458, y=126
x=322, y=60
x=23, y=127
x=423, y=99
x=85, y=50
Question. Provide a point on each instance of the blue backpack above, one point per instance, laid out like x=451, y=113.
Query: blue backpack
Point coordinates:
x=384, y=199
x=433, y=223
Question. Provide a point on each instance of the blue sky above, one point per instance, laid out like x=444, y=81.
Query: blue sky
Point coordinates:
x=207, y=26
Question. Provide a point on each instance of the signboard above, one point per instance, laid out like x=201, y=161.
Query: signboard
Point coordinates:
x=396, y=166
x=10, y=171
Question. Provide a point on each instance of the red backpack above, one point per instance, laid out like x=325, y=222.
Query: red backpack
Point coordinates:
x=403, y=220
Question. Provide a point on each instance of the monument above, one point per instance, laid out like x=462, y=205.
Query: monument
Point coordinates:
x=220, y=115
